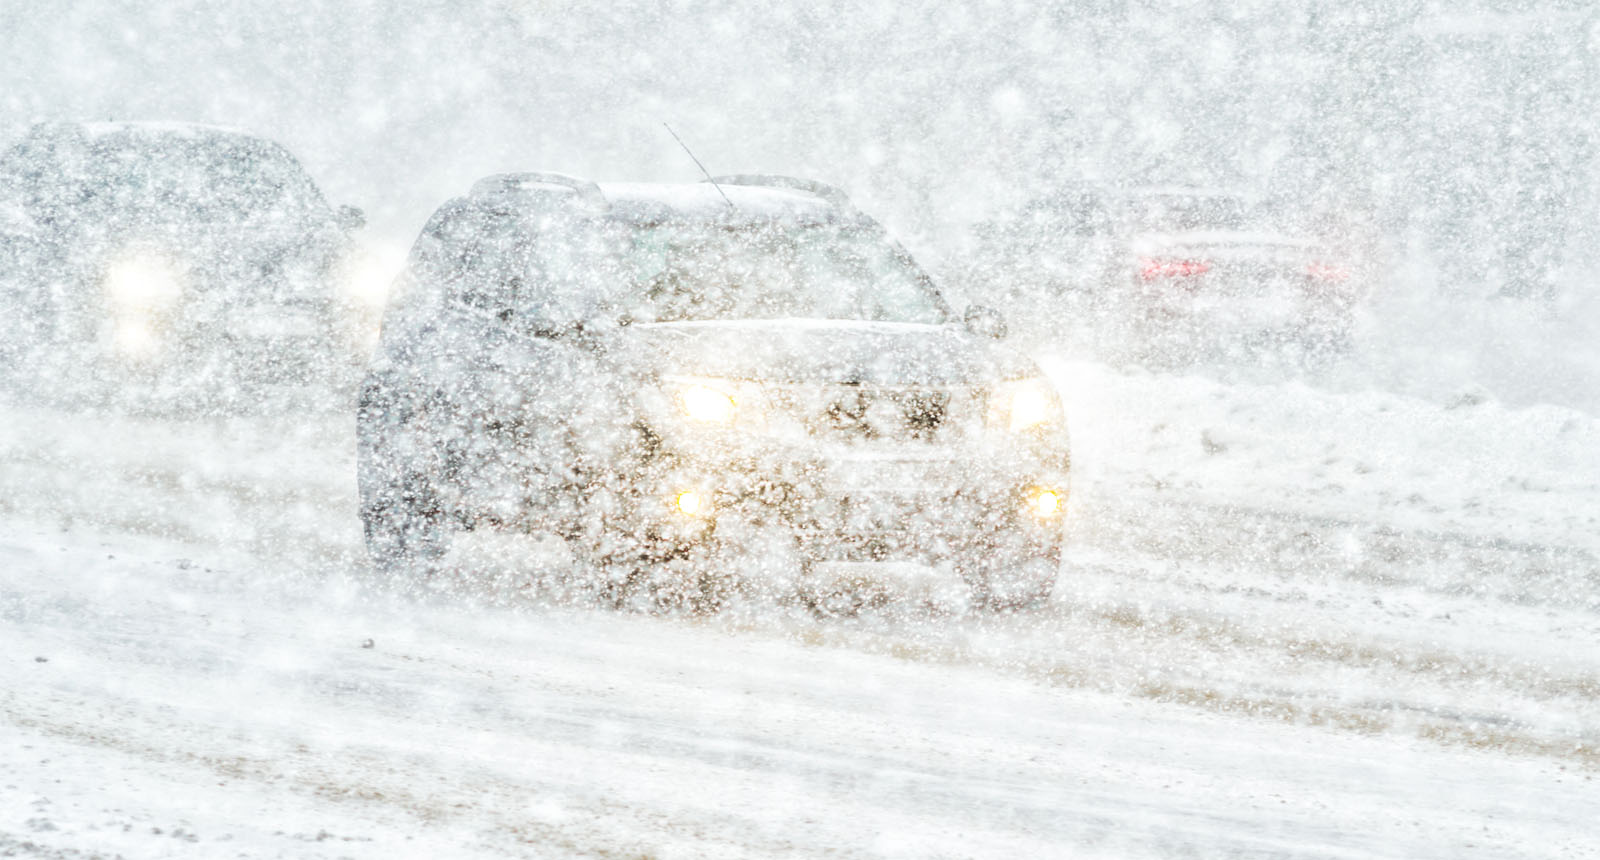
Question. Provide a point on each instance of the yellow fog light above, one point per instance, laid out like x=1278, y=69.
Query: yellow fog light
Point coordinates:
x=706, y=404
x=690, y=503
x=1046, y=504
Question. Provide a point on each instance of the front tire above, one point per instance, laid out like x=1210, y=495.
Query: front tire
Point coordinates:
x=1006, y=579
x=401, y=518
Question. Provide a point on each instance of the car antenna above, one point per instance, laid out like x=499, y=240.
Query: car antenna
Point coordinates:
x=699, y=165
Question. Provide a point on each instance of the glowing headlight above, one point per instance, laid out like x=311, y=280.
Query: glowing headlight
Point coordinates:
x=704, y=400
x=690, y=503
x=143, y=283
x=707, y=404
x=366, y=276
x=135, y=338
x=1046, y=503
x=1024, y=404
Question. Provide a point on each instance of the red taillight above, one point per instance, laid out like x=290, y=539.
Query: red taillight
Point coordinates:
x=1327, y=272
x=1150, y=269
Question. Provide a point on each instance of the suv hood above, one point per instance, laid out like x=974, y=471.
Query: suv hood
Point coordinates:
x=836, y=351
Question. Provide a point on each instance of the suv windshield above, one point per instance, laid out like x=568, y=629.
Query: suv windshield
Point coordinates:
x=703, y=272
x=555, y=269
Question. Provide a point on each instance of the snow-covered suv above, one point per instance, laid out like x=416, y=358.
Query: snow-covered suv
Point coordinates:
x=150, y=253
x=748, y=371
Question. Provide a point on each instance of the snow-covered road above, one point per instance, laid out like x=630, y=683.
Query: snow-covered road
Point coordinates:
x=1295, y=623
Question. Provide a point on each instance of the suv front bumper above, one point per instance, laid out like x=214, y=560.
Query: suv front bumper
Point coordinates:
x=906, y=505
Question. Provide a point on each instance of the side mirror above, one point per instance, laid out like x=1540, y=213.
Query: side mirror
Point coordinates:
x=350, y=218
x=984, y=322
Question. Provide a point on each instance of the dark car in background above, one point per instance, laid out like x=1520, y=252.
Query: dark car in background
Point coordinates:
x=750, y=371
x=1176, y=270
x=19, y=251
x=150, y=256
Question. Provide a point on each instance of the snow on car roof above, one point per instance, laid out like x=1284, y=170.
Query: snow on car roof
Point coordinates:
x=1227, y=237
x=1182, y=191
x=700, y=200
x=176, y=129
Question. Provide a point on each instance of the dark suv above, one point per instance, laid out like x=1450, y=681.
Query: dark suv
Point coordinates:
x=749, y=371
x=140, y=252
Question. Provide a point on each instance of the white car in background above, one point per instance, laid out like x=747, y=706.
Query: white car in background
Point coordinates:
x=1206, y=268
x=1173, y=269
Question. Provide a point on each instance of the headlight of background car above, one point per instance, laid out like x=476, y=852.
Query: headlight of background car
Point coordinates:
x=1024, y=404
x=143, y=283
x=366, y=275
x=141, y=291
x=364, y=280
x=718, y=402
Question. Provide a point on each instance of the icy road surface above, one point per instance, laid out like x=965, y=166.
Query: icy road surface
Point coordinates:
x=1295, y=624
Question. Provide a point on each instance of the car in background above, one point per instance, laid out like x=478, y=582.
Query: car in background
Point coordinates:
x=19, y=248
x=749, y=372
x=1172, y=269
x=152, y=255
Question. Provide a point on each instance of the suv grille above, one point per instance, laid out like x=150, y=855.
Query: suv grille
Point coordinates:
x=858, y=413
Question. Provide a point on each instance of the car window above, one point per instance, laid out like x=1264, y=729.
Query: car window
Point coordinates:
x=132, y=177
x=558, y=267
x=702, y=272
x=543, y=268
x=1078, y=214
x=1173, y=213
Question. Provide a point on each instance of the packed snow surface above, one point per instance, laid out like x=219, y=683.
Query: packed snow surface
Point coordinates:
x=1293, y=623
x=1356, y=614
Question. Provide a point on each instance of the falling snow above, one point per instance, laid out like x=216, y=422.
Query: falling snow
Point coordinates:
x=1105, y=429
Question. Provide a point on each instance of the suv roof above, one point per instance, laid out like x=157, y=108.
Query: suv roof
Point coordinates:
x=733, y=200
x=95, y=130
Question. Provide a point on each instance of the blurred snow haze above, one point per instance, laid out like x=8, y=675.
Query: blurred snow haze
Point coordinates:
x=1327, y=585
x=1451, y=140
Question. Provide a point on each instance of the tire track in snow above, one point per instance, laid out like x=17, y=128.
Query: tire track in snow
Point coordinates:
x=1188, y=609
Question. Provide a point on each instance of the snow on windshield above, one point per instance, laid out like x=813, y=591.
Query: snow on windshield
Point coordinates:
x=826, y=272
